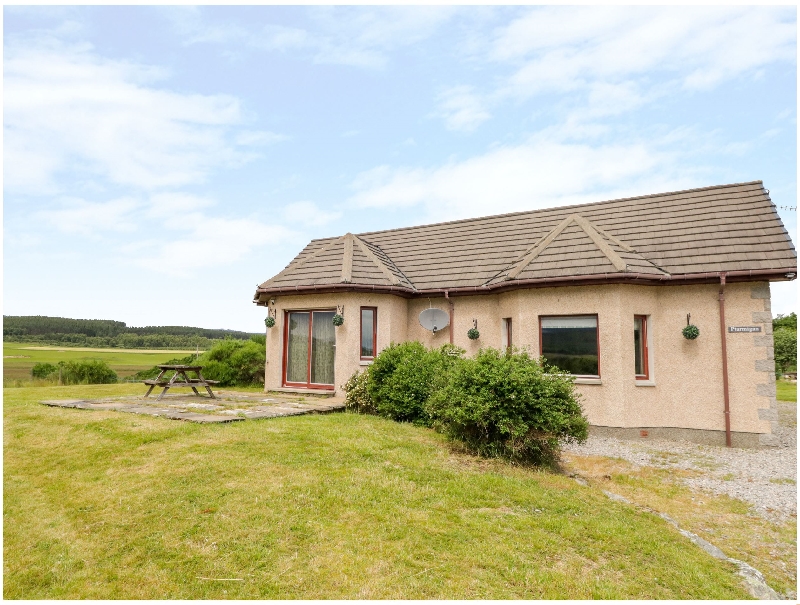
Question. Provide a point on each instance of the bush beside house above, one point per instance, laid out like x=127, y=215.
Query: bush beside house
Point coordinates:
x=403, y=376
x=509, y=405
x=499, y=404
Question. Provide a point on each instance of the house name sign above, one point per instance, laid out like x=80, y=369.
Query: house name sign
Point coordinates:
x=744, y=329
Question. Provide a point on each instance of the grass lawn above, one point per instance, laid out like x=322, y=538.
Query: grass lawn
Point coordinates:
x=725, y=522
x=20, y=357
x=787, y=391
x=110, y=505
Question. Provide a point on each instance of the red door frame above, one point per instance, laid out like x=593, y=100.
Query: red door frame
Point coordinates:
x=308, y=384
x=645, y=355
x=374, y=332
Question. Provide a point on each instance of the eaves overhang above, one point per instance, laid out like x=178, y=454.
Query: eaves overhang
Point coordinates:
x=644, y=279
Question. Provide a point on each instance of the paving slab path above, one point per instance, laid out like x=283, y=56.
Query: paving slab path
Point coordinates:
x=230, y=406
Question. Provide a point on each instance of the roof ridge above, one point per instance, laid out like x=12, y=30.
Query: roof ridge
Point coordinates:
x=385, y=269
x=588, y=229
x=296, y=265
x=594, y=233
x=347, y=258
x=540, y=247
x=520, y=212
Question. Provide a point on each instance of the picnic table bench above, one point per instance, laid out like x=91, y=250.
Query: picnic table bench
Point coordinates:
x=180, y=379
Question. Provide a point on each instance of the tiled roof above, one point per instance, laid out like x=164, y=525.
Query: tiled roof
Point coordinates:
x=667, y=236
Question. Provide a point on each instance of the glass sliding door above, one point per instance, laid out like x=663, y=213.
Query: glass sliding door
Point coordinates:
x=323, y=347
x=297, y=347
x=309, y=349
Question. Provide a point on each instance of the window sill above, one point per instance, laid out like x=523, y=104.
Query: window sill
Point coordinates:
x=645, y=383
x=588, y=381
x=365, y=362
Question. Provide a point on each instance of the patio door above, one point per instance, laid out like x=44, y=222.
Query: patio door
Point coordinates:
x=309, y=349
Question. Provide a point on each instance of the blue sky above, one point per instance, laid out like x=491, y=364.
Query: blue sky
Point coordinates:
x=160, y=162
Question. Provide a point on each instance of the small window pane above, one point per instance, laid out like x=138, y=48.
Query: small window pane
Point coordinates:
x=570, y=343
x=367, y=332
x=638, y=343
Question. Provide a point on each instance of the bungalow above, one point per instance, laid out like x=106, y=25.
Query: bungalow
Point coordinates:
x=603, y=290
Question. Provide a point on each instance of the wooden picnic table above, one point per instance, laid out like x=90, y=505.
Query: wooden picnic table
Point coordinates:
x=180, y=379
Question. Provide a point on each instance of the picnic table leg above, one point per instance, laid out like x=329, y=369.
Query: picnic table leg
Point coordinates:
x=152, y=386
x=208, y=388
x=169, y=384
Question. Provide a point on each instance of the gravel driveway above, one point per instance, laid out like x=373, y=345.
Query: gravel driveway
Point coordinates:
x=766, y=478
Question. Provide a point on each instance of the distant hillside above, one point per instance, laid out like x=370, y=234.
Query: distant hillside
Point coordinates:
x=107, y=333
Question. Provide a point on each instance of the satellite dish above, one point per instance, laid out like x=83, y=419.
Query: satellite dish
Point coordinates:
x=434, y=319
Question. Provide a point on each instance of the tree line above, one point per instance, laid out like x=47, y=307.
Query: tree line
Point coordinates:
x=107, y=333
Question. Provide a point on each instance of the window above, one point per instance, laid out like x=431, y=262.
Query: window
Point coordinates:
x=369, y=332
x=506, y=334
x=571, y=343
x=641, y=362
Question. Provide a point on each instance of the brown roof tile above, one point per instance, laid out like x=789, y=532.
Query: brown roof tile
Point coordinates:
x=724, y=228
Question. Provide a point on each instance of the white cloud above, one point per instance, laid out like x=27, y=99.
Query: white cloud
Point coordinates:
x=175, y=205
x=69, y=111
x=566, y=48
x=82, y=217
x=207, y=242
x=259, y=137
x=355, y=36
x=308, y=213
x=461, y=108
x=541, y=173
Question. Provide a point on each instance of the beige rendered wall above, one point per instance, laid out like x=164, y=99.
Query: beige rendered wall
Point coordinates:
x=392, y=326
x=685, y=386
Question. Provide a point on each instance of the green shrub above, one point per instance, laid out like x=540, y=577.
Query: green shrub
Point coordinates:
x=44, y=370
x=87, y=372
x=357, y=396
x=222, y=372
x=508, y=405
x=260, y=339
x=403, y=376
x=234, y=362
x=231, y=362
x=785, y=321
x=153, y=372
x=785, y=340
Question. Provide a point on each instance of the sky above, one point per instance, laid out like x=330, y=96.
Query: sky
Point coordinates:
x=160, y=162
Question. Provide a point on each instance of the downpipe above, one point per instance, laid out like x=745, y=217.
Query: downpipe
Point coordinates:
x=452, y=313
x=724, y=359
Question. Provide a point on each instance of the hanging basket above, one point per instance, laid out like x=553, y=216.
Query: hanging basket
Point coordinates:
x=691, y=332
x=269, y=322
x=473, y=334
x=338, y=320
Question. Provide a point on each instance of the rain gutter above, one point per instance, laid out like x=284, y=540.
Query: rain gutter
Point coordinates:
x=650, y=279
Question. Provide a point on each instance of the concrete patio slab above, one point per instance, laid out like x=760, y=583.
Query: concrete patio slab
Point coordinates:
x=231, y=406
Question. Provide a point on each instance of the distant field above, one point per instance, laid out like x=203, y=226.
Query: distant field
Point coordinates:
x=20, y=357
